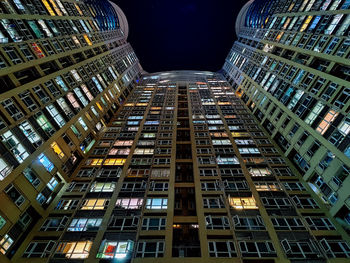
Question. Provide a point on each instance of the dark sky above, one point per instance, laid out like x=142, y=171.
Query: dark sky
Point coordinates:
x=181, y=34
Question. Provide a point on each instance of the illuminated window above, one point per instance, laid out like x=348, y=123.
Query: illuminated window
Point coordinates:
x=114, y=161
x=123, y=143
x=326, y=122
x=129, y=203
x=2, y=222
x=78, y=249
x=115, y=249
x=5, y=244
x=85, y=224
x=102, y=187
x=14, y=146
x=143, y=151
x=157, y=203
x=242, y=202
x=57, y=150
x=94, y=204
x=87, y=39
x=94, y=162
x=265, y=186
x=46, y=162
x=259, y=171
x=99, y=106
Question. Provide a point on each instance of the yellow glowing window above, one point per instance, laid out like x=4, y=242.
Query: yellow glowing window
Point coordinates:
x=306, y=24
x=94, y=204
x=148, y=89
x=218, y=134
x=286, y=23
x=57, y=150
x=326, y=122
x=58, y=11
x=48, y=7
x=267, y=187
x=114, y=161
x=242, y=202
x=240, y=134
x=78, y=249
x=95, y=162
x=123, y=143
x=88, y=116
x=38, y=51
x=279, y=36
x=224, y=103
x=156, y=108
x=99, y=106
x=87, y=39
x=129, y=104
x=78, y=8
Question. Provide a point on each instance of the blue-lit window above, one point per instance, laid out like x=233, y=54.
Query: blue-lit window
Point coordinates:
x=46, y=162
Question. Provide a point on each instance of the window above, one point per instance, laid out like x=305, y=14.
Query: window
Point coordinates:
x=153, y=249
x=2, y=222
x=242, y=202
x=217, y=222
x=67, y=204
x=259, y=171
x=287, y=224
x=335, y=248
x=319, y=223
x=248, y=223
x=129, y=203
x=5, y=243
x=157, y=203
x=102, y=187
x=221, y=249
x=39, y=249
x=57, y=150
x=46, y=162
x=14, y=195
x=72, y=250
x=54, y=224
x=94, y=204
x=55, y=115
x=257, y=249
x=123, y=223
x=297, y=249
x=85, y=224
x=14, y=146
x=150, y=223
x=115, y=249
x=213, y=202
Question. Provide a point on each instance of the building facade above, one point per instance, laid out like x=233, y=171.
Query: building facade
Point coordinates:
x=291, y=67
x=101, y=162
x=66, y=68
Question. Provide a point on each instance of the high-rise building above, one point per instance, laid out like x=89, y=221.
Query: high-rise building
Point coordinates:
x=66, y=68
x=101, y=162
x=291, y=67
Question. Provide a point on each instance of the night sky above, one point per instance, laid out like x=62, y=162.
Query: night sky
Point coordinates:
x=181, y=34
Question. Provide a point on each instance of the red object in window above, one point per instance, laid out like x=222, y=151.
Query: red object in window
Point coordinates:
x=39, y=53
x=110, y=251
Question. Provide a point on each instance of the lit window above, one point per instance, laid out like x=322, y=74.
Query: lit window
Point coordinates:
x=143, y=151
x=85, y=224
x=129, y=203
x=14, y=146
x=5, y=243
x=57, y=150
x=30, y=133
x=46, y=162
x=242, y=203
x=326, y=122
x=94, y=204
x=55, y=115
x=259, y=171
x=79, y=249
x=5, y=169
x=82, y=123
x=87, y=39
x=115, y=249
x=2, y=222
x=114, y=161
x=102, y=187
x=157, y=203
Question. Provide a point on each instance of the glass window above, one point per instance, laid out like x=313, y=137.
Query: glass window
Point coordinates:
x=71, y=250
x=46, y=162
x=115, y=249
x=85, y=224
x=14, y=146
x=157, y=203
